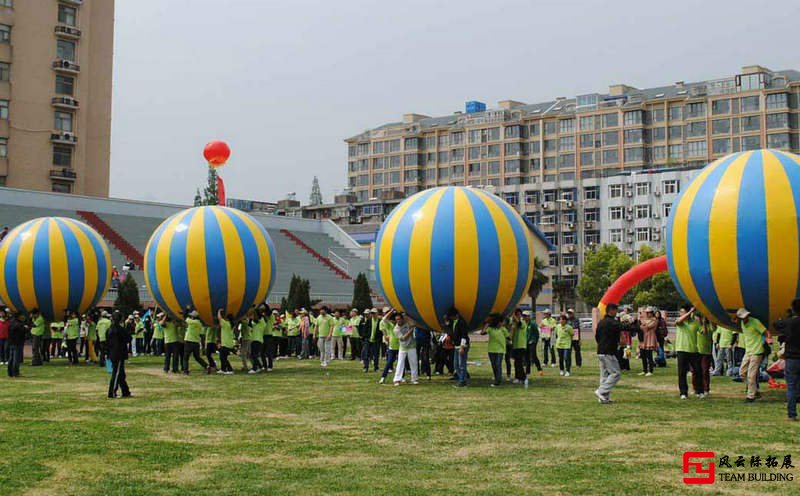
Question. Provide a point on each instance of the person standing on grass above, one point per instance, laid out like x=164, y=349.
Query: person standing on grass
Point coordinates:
x=171, y=352
x=293, y=333
x=212, y=336
x=532, y=358
x=407, y=349
x=72, y=332
x=158, y=335
x=752, y=332
x=355, y=337
x=191, y=346
x=226, y=339
x=607, y=338
x=305, y=335
x=244, y=343
x=46, y=337
x=387, y=325
x=37, y=331
x=704, y=346
x=723, y=339
x=57, y=336
x=138, y=334
x=686, y=328
x=17, y=330
x=661, y=338
x=422, y=338
x=648, y=344
x=519, y=346
x=258, y=327
x=103, y=325
x=364, y=331
x=117, y=340
x=546, y=332
x=498, y=337
x=5, y=322
x=375, y=339
x=324, y=327
x=576, y=336
x=564, y=345
x=459, y=333
x=789, y=330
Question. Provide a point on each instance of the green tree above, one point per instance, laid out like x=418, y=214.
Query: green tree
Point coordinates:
x=600, y=270
x=564, y=293
x=299, y=294
x=538, y=281
x=361, y=294
x=209, y=192
x=127, y=296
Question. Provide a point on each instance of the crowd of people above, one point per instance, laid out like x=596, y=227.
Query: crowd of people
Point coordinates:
x=701, y=348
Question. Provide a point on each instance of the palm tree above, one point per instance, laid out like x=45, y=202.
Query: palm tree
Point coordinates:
x=539, y=279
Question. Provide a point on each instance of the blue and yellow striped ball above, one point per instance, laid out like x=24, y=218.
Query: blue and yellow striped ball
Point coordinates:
x=53, y=264
x=209, y=258
x=453, y=246
x=732, y=238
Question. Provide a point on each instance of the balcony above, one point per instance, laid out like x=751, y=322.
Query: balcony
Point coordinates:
x=63, y=138
x=64, y=174
x=68, y=32
x=66, y=66
x=64, y=102
x=76, y=3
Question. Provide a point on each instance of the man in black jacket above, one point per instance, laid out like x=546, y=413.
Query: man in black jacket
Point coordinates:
x=607, y=337
x=459, y=334
x=16, y=341
x=117, y=341
x=789, y=337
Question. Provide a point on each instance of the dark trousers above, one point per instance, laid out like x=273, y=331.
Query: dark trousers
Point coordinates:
x=624, y=363
x=192, y=349
x=72, y=351
x=565, y=359
x=101, y=353
x=355, y=347
x=36, y=348
x=82, y=346
x=375, y=352
x=4, y=350
x=532, y=358
x=687, y=361
x=345, y=339
x=705, y=371
x=509, y=353
x=391, y=357
x=45, y=349
x=519, y=363
x=55, y=348
x=255, y=355
x=496, y=359
x=549, y=351
x=171, y=354
x=14, y=353
x=424, y=355
x=223, y=359
x=158, y=346
x=576, y=348
x=211, y=348
x=648, y=364
x=792, y=374
x=294, y=345
x=444, y=358
x=365, y=354
x=118, y=380
x=268, y=350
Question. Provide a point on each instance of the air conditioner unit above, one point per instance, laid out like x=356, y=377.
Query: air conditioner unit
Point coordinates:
x=569, y=268
x=630, y=240
x=630, y=209
x=570, y=204
x=656, y=237
x=656, y=215
x=546, y=205
x=630, y=253
x=656, y=229
x=570, y=225
x=630, y=231
x=629, y=194
x=67, y=136
x=657, y=192
x=629, y=218
x=570, y=248
x=589, y=224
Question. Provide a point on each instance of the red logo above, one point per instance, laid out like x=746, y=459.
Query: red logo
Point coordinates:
x=703, y=475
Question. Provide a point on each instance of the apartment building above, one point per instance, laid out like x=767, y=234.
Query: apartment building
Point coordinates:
x=55, y=95
x=595, y=168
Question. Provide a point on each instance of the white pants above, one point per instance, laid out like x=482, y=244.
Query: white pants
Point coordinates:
x=336, y=347
x=324, y=346
x=401, y=365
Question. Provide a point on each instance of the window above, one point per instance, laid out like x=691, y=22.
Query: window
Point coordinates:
x=5, y=71
x=695, y=129
x=457, y=138
x=377, y=179
x=696, y=149
x=642, y=234
x=777, y=101
x=512, y=132
x=615, y=235
x=615, y=191
x=721, y=145
x=695, y=110
x=566, y=143
x=65, y=50
x=444, y=140
x=676, y=151
x=750, y=104
x=444, y=173
x=658, y=115
x=587, y=140
x=610, y=120
x=642, y=189
x=780, y=140
x=531, y=197
x=66, y=15
x=5, y=33
x=511, y=198
x=568, y=238
x=615, y=213
x=493, y=133
x=457, y=155
x=675, y=113
x=3, y=147
x=458, y=171
x=549, y=196
x=719, y=107
x=394, y=145
x=751, y=142
x=776, y=121
x=611, y=138
x=550, y=145
x=632, y=118
x=430, y=175
x=3, y=109
x=659, y=153
x=642, y=211
x=512, y=148
x=721, y=126
x=591, y=193
x=394, y=177
x=533, y=130
x=592, y=237
x=634, y=154
x=413, y=175
x=671, y=186
x=751, y=123
x=411, y=160
x=430, y=142
x=411, y=144
x=535, y=147
x=394, y=161
x=553, y=259
x=567, y=160
x=675, y=132
x=63, y=121
x=377, y=147
x=494, y=167
x=587, y=159
x=658, y=133
x=475, y=152
x=549, y=127
x=570, y=258
x=610, y=157
x=632, y=136
x=61, y=187
x=591, y=215
x=566, y=126
x=586, y=123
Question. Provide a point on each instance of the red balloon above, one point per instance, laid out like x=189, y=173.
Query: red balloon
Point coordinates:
x=216, y=153
x=631, y=278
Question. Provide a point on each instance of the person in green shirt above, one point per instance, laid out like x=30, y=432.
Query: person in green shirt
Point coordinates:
x=354, y=336
x=532, y=357
x=191, y=345
x=103, y=324
x=244, y=342
x=752, y=332
x=563, y=332
x=138, y=335
x=375, y=340
x=337, y=352
x=392, y=342
x=293, y=333
x=71, y=331
x=158, y=336
x=56, y=337
x=91, y=338
x=274, y=330
x=704, y=346
x=37, y=331
x=498, y=337
x=170, y=331
x=686, y=329
x=227, y=342
x=212, y=335
x=546, y=329
x=519, y=346
x=258, y=327
x=323, y=330
x=723, y=339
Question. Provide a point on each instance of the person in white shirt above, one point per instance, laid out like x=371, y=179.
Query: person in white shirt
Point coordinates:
x=408, y=349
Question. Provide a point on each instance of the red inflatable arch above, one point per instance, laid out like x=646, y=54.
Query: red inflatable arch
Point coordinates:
x=631, y=278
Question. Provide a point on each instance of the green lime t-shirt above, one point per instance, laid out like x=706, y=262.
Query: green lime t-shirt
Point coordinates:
x=563, y=336
x=92, y=334
x=686, y=336
x=102, y=328
x=193, y=328
x=139, y=329
x=725, y=336
x=71, y=329
x=273, y=328
x=388, y=330
x=497, y=339
x=337, y=328
x=211, y=334
x=519, y=336
x=257, y=330
x=704, y=341
x=354, y=323
x=292, y=326
x=226, y=333
x=38, y=326
x=57, y=330
x=753, y=332
x=170, y=332
x=244, y=330
x=547, y=327
x=374, y=326
x=325, y=325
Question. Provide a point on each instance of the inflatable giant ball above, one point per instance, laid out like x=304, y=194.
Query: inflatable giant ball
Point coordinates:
x=453, y=247
x=732, y=238
x=209, y=258
x=53, y=264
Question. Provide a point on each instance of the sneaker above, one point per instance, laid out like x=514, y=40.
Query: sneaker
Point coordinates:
x=269, y=369
x=252, y=372
x=396, y=384
x=414, y=382
x=220, y=372
x=683, y=396
x=230, y=372
x=641, y=373
x=515, y=381
x=552, y=365
x=429, y=377
x=495, y=385
x=749, y=400
x=648, y=374
x=566, y=374
x=600, y=396
x=561, y=373
x=459, y=385
x=701, y=396
x=365, y=370
x=792, y=419
x=383, y=379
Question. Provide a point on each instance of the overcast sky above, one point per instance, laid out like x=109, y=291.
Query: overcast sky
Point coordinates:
x=285, y=82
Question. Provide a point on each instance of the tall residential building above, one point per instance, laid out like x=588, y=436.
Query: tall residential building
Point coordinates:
x=55, y=94
x=596, y=168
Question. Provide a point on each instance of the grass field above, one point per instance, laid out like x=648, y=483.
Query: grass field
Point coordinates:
x=306, y=430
